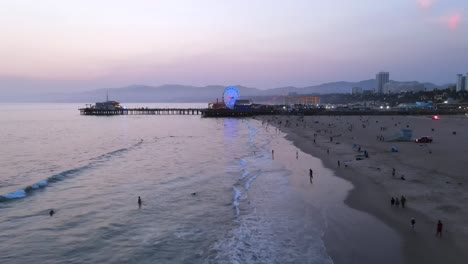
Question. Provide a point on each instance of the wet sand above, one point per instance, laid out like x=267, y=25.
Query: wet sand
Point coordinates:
x=434, y=185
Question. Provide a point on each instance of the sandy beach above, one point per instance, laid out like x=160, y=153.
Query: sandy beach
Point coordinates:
x=430, y=175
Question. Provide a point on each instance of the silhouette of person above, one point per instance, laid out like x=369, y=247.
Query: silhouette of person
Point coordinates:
x=393, y=171
x=139, y=201
x=311, y=175
x=272, y=154
x=392, y=201
x=413, y=222
x=403, y=201
x=51, y=212
x=297, y=154
x=339, y=163
x=439, y=229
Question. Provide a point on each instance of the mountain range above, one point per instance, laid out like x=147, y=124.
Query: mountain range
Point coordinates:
x=184, y=93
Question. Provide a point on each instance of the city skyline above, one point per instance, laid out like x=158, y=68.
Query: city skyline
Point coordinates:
x=265, y=44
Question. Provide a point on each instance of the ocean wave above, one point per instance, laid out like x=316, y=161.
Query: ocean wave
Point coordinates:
x=243, y=163
x=21, y=193
x=249, y=182
x=237, y=196
x=244, y=174
x=14, y=195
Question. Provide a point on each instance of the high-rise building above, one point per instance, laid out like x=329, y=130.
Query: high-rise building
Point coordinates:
x=466, y=82
x=382, y=78
x=461, y=82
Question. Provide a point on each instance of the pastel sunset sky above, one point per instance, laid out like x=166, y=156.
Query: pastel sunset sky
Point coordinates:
x=256, y=43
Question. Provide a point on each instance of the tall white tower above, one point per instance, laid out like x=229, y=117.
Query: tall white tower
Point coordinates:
x=382, y=78
x=466, y=82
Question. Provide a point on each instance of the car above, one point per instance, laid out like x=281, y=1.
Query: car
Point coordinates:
x=423, y=140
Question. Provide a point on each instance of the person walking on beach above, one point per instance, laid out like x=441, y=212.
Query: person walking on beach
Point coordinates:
x=311, y=175
x=439, y=229
x=272, y=154
x=413, y=222
x=397, y=202
x=403, y=201
x=297, y=154
x=339, y=163
x=139, y=201
x=393, y=171
x=392, y=201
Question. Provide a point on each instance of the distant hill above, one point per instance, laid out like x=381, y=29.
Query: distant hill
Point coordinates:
x=184, y=93
x=326, y=88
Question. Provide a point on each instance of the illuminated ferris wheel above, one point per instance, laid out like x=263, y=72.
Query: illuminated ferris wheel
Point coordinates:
x=230, y=96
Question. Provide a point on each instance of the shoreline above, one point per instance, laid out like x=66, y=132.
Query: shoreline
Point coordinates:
x=370, y=194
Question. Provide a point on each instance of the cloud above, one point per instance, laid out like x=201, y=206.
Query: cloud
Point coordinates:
x=426, y=4
x=453, y=21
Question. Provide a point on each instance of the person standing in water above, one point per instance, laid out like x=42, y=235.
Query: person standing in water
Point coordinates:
x=311, y=175
x=139, y=201
x=403, y=201
x=439, y=229
x=51, y=212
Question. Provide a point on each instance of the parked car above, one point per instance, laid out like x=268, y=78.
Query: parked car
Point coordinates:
x=423, y=140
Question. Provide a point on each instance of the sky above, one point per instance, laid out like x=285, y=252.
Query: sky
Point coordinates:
x=84, y=44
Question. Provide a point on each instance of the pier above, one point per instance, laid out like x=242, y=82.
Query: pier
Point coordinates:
x=205, y=112
x=142, y=111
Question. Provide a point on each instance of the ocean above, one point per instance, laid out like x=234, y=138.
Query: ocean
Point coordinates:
x=211, y=192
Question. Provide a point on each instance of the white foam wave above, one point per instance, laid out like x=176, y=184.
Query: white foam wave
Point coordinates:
x=245, y=174
x=243, y=162
x=237, y=196
x=39, y=184
x=15, y=195
x=249, y=182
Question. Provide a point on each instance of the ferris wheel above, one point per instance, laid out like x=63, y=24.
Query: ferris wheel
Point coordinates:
x=230, y=96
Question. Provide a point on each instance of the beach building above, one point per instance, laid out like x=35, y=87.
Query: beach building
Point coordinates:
x=356, y=90
x=403, y=87
x=243, y=104
x=462, y=82
x=382, y=78
x=416, y=105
